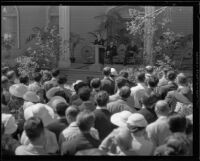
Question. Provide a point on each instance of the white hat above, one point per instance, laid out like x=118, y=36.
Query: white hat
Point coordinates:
x=137, y=120
x=9, y=123
x=42, y=111
x=18, y=90
x=34, y=87
x=27, y=104
x=113, y=72
x=56, y=100
x=120, y=118
x=50, y=93
x=31, y=97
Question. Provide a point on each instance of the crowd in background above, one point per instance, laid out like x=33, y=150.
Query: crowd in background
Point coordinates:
x=108, y=116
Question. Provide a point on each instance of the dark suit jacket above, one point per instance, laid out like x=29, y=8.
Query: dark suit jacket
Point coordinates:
x=163, y=90
x=149, y=114
x=108, y=85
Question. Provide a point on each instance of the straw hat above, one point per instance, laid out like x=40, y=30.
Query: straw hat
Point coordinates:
x=9, y=123
x=137, y=120
x=18, y=90
x=31, y=97
x=120, y=118
x=50, y=93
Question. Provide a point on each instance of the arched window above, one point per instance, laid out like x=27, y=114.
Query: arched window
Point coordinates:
x=53, y=15
x=10, y=24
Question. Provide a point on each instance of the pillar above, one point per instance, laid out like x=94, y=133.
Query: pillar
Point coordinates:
x=148, y=35
x=64, y=29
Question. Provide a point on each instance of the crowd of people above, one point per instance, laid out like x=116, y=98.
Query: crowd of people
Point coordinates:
x=97, y=116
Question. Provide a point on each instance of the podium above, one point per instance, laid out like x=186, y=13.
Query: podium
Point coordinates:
x=96, y=66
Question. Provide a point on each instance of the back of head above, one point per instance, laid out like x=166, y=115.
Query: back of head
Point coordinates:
x=120, y=82
x=125, y=92
x=37, y=77
x=62, y=93
x=182, y=79
x=148, y=100
x=171, y=75
x=61, y=108
x=177, y=123
x=153, y=81
x=85, y=120
x=149, y=69
x=55, y=72
x=4, y=70
x=162, y=108
x=10, y=74
x=95, y=83
x=102, y=98
x=80, y=85
x=124, y=74
x=141, y=77
x=106, y=71
x=62, y=80
x=84, y=93
x=33, y=128
x=24, y=79
x=71, y=113
x=4, y=79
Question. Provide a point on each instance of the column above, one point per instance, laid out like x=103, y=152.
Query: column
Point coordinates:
x=96, y=66
x=148, y=35
x=64, y=29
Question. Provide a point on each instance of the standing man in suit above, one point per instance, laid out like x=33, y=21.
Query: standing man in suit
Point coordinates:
x=111, y=51
x=100, y=41
x=132, y=49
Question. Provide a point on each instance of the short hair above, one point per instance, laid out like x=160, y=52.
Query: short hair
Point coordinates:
x=177, y=123
x=95, y=83
x=84, y=93
x=121, y=81
x=37, y=76
x=72, y=111
x=80, y=85
x=106, y=71
x=141, y=77
x=62, y=79
x=33, y=128
x=149, y=69
x=24, y=79
x=10, y=74
x=124, y=74
x=182, y=79
x=61, y=108
x=148, y=100
x=55, y=72
x=102, y=98
x=62, y=93
x=125, y=92
x=162, y=107
x=85, y=120
x=153, y=81
x=171, y=75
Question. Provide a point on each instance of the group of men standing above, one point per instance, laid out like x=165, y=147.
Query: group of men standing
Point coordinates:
x=111, y=50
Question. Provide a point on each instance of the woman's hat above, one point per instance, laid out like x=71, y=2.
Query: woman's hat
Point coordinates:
x=9, y=123
x=50, y=93
x=42, y=111
x=137, y=120
x=56, y=100
x=119, y=119
x=18, y=90
x=31, y=97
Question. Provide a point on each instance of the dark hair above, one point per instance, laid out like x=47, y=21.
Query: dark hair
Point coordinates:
x=141, y=77
x=4, y=79
x=24, y=79
x=106, y=71
x=149, y=69
x=88, y=80
x=4, y=70
x=148, y=100
x=61, y=108
x=182, y=79
x=165, y=70
x=84, y=93
x=124, y=74
x=85, y=120
x=62, y=93
x=95, y=83
x=37, y=76
x=55, y=72
x=171, y=75
x=80, y=85
x=153, y=81
x=102, y=98
x=34, y=128
x=10, y=74
x=125, y=92
x=177, y=123
x=72, y=111
x=62, y=79
x=120, y=82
